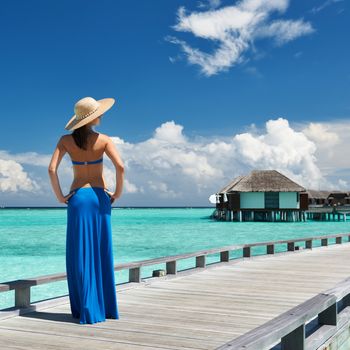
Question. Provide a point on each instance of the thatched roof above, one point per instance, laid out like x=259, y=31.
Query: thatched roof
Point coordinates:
x=231, y=184
x=327, y=194
x=338, y=194
x=318, y=194
x=262, y=181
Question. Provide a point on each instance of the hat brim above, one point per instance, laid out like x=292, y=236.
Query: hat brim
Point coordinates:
x=105, y=105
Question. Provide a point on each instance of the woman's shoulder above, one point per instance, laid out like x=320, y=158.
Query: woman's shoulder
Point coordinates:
x=64, y=138
x=104, y=137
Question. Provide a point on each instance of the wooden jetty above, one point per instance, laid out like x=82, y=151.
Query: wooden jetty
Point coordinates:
x=252, y=302
x=327, y=213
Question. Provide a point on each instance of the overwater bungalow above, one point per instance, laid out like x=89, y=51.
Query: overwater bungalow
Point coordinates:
x=328, y=205
x=318, y=198
x=338, y=198
x=262, y=195
x=328, y=198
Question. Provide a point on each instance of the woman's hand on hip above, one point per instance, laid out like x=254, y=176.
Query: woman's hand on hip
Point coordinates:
x=111, y=196
x=64, y=199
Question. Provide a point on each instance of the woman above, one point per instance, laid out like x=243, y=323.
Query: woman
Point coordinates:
x=89, y=254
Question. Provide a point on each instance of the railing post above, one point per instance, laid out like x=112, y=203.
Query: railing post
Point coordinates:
x=328, y=316
x=22, y=297
x=171, y=267
x=339, y=240
x=308, y=244
x=246, y=252
x=270, y=249
x=225, y=256
x=135, y=274
x=291, y=246
x=200, y=261
x=324, y=242
x=346, y=300
x=295, y=340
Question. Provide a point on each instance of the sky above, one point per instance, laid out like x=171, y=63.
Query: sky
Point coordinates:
x=205, y=91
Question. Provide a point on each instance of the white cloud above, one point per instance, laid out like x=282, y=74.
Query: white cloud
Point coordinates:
x=13, y=178
x=131, y=188
x=110, y=177
x=170, y=132
x=284, y=149
x=283, y=31
x=321, y=135
x=324, y=5
x=209, y=4
x=332, y=141
x=162, y=190
x=343, y=185
x=170, y=168
x=31, y=158
x=182, y=167
x=234, y=29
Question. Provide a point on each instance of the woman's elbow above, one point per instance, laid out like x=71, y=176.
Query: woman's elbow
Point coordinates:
x=51, y=170
x=120, y=168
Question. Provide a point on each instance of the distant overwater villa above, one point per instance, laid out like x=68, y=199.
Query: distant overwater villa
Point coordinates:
x=268, y=195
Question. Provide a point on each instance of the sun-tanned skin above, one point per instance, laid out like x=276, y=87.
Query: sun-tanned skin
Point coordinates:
x=86, y=175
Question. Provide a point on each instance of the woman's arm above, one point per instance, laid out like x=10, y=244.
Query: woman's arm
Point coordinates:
x=113, y=154
x=57, y=156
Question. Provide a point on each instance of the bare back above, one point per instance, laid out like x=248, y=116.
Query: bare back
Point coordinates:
x=86, y=175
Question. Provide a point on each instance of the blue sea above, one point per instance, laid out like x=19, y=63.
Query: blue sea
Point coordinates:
x=32, y=241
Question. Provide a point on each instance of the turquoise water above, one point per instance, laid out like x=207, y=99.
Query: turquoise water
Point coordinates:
x=32, y=241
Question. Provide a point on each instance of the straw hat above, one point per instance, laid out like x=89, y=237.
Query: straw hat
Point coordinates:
x=87, y=109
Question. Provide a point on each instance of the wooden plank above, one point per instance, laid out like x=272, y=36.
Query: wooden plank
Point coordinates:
x=40, y=341
x=104, y=331
x=190, y=309
x=61, y=323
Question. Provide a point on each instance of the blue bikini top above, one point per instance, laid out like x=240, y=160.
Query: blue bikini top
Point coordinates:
x=88, y=162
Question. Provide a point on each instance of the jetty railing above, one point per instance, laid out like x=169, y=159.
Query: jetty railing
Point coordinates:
x=325, y=314
x=22, y=287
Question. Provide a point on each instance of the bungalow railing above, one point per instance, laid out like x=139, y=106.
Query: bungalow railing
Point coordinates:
x=22, y=287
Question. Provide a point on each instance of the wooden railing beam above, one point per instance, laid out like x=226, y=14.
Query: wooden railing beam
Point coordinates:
x=22, y=287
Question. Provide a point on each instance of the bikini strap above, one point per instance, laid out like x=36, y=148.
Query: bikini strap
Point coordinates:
x=88, y=162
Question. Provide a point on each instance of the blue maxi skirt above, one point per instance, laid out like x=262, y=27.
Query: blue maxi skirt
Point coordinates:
x=89, y=256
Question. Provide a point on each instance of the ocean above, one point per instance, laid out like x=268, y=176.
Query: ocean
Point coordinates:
x=32, y=241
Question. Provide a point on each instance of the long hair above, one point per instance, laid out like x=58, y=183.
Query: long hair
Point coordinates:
x=80, y=136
